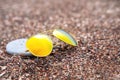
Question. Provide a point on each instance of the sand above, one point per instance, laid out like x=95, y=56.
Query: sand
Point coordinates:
x=94, y=23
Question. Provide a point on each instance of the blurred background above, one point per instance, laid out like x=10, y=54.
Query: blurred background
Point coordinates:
x=22, y=18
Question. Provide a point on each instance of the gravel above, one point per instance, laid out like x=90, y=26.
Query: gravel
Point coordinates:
x=94, y=23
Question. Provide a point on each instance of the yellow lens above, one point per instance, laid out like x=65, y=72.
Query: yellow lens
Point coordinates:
x=64, y=36
x=39, y=45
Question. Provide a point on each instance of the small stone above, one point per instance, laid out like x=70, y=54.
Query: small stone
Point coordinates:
x=17, y=47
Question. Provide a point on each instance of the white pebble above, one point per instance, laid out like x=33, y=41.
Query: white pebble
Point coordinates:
x=17, y=47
